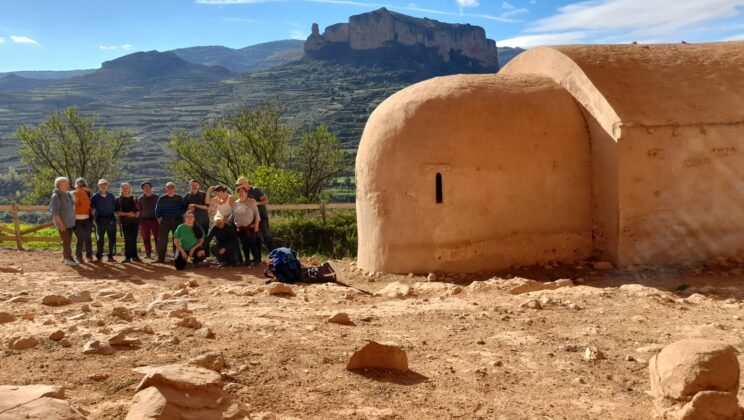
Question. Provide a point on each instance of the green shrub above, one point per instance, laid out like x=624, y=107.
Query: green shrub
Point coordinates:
x=337, y=238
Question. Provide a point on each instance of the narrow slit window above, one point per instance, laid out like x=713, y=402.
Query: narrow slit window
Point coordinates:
x=439, y=188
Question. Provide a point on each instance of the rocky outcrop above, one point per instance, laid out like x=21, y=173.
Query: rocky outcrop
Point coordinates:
x=384, y=37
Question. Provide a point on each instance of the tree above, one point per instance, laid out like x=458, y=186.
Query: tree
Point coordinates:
x=254, y=142
x=68, y=144
x=318, y=158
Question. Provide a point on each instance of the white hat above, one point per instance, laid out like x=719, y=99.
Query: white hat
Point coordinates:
x=102, y=181
x=218, y=216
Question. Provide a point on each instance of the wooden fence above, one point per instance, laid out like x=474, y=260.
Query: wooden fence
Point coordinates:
x=19, y=235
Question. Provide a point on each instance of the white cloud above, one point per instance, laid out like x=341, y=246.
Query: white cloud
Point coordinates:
x=636, y=17
x=738, y=37
x=507, y=6
x=467, y=3
x=529, y=41
x=23, y=40
x=297, y=34
x=125, y=47
x=2, y=40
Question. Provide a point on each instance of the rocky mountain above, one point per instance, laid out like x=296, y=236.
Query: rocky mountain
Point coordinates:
x=15, y=83
x=393, y=40
x=245, y=60
x=49, y=74
x=507, y=53
x=338, y=83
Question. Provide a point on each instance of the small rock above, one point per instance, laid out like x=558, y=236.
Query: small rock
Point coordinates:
x=29, y=316
x=57, y=335
x=55, y=300
x=65, y=343
x=395, y=290
x=531, y=304
x=6, y=317
x=99, y=377
x=179, y=313
x=22, y=342
x=96, y=304
x=123, y=313
x=189, y=322
x=431, y=277
x=379, y=356
x=85, y=307
x=341, y=318
x=281, y=289
x=80, y=297
x=121, y=339
x=592, y=354
x=18, y=299
x=213, y=360
x=167, y=305
x=193, y=283
x=204, y=332
x=97, y=347
x=181, y=292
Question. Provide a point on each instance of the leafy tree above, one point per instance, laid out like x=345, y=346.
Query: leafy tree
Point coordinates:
x=255, y=142
x=261, y=133
x=68, y=144
x=319, y=158
x=283, y=186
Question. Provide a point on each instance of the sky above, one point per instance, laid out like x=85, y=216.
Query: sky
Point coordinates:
x=81, y=34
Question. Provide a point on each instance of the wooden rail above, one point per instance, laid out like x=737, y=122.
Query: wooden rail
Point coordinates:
x=18, y=234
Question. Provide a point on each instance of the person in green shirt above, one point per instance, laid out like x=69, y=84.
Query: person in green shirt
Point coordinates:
x=189, y=238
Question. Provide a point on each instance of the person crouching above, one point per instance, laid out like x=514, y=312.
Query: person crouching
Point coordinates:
x=188, y=239
x=227, y=248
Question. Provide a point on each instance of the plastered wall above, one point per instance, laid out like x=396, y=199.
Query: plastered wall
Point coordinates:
x=513, y=154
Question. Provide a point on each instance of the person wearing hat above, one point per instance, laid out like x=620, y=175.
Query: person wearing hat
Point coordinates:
x=148, y=220
x=261, y=200
x=104, y=213
x=63, y=215
x=83, y=223
x=227, y=248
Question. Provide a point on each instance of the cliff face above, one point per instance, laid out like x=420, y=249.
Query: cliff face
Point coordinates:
x=383, y=35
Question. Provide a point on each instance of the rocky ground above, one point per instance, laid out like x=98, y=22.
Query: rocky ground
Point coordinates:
x=493, y=346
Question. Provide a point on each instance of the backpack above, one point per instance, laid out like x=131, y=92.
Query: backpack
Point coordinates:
x=284, y=265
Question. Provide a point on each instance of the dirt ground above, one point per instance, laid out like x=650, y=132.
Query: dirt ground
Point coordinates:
x=474, y=350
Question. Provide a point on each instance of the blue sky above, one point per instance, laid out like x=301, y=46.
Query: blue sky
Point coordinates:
x=76, y=34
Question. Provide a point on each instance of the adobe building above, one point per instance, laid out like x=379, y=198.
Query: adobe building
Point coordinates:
x=627, y=153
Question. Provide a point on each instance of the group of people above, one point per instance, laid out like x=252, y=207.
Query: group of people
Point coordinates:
x=240, y=224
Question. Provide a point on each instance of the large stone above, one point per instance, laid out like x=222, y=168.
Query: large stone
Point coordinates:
x=395, y=290
x=281, y=289
x=379, y=356
x=6, y=317
x=22, y=342
x=40, y=402
x=214, y=360
x=711, y=405
x=689, y=366
x=57, y=335
x=183, y=392
x=55, y=300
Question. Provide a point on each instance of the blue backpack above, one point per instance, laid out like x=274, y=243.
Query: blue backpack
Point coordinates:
x=285, y=266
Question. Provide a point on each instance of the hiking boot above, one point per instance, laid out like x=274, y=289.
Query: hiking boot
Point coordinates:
x=127, y=260
x=98, y=259
x=148, y=255
x=71, y=262
x=137, y=259
x=110, y=259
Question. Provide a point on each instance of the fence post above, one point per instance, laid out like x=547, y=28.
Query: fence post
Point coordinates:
x=17, y=227
x=323, y=211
